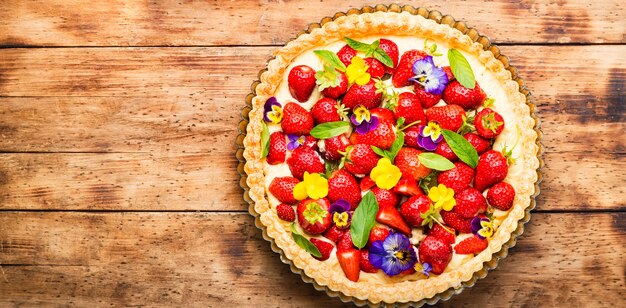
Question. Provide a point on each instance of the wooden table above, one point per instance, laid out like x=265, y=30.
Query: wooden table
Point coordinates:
x=118, y=181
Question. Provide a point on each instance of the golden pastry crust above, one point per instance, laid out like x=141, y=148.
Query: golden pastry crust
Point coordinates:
x=387, y=23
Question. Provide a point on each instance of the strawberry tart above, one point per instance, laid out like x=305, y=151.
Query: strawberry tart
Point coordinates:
x=389, y=156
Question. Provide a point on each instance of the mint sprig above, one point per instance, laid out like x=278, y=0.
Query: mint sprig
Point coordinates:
x=330, y=129
x=363, y=220
x=371, y=50
x=461, y=147
x=304, y=242
x=331, y=59
x=265, y=140
x=461, y=69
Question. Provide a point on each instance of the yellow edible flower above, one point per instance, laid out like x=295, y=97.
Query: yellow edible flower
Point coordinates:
x=433, y=130
x=443, y=197
x=487, y=228
x=313, y=186
x=357, y=71
x=385, y=174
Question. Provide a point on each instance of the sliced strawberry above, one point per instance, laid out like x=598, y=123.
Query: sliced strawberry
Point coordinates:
x=409, y=108
x=469, y=203
x=350, y=261
x=301, y=81
x=313, y=215
x=343, y=185
x=278, y=148
x=436, y=252
x=426, y=99
x=407, y=186
x=363, y=95
x=385, y=197
x=334, y=233
x=366, y=265
x=413, y=208
x=378, y=233
x=375, y=68
x=441, y=233
x=345, y=242
x=404, y=70
x=455, y=221
x=457, y=94
x=282, y=189
x=457, y=178
x=296, y=120
x=471, y=245
x=501, y=196
x=489, y=124
x=305, y=159
x=286, y=212
x=324, y=247
x=389, y=216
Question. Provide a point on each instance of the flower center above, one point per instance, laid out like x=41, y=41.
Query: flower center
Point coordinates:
x=362, y=114
x=341, y=219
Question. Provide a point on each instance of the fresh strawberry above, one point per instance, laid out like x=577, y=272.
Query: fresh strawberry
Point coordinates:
x=278, y=148
x=286, y=212
x=409, y=108
x=366, y=265
x=324, y=247
x=360, y=159
x=448, y=71
x=339, y=89
x=435, y=252
x=455, y=221
x=471, y=245
x=489, y=124
x=375, y=68
x=457, y=178
x=332, y=147
x=501, y=196
x=296, y=120
x=389, y=216
x=383, y=114
x=350, y=261
x=325, y=110
x=313, y=215
x=334, y=233
x=282, y=189
x=301, y=81
x=449, y=116
x=444, y=150
x=345, y=242
x=367, y=183
x=385, y=197
x=382, y=136
x=412, y=209
x=392, y=51
x=426, y=99
x=469, y=203
x=362, y=95
x=305, y=159
x=492, y=168
x=404, y=70
x=439, y=232
x=408, y=162
x=345, y=54
x=378, y=233
x=407, y=186
x=457, y=94
x=481, y=145
x=410, y=137
x=343, y=185
x=310, y=142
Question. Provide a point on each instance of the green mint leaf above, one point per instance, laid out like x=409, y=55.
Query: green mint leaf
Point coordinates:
x=435, y=161
x=331, y=59
x=358, y=46
x=330, y=129
x=396, y=145
x=265, y=140
x=461, y=147
x=380, y=151
x=304, y=242
x=380, y=55
x=363, y=220
x=461, y=69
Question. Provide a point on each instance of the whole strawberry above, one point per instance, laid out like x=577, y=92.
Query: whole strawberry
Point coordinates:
x=382, y=136
x=409, y=108
x=301, y=81
x=345, y=54
x=340, y=88
x=324, y=247
x=305, y=159
x=296, y=120
x=383, y=114
x=492, y=168
x=343, y=185
x=471, y=245
x=334, y=233
x=481, y=145
x=444, y=150
x=325, y=110
x=439, y=232
x=412, y=209
x=375, y=68
x=286, y=212
x=455, y=221
x=427, y=99
x=408, y=162
x=392, y=51
x=332, y=147
x=378, y=233
x=455, y=93
x=362, y=95
x=385, y=197
x=489, y=124
x=360, y=159
x=448, y=71
x=404, y=70
x=435, y=252
x=313, y=215
x=278, y=148
x=366, y=265
x=410, y=137
x=457, y=178
x=469, y=203
x=449, y=117
x=282, y=189
x=501, y=196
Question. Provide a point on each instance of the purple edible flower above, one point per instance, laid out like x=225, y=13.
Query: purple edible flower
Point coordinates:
x=429, y=136
x=340, y=210
x=393, y=255
x=426, y=269
x=428, y=75
x=272, y=111
x=482, y=227
x=339, y=206
x=295, y=141
x=363, y=121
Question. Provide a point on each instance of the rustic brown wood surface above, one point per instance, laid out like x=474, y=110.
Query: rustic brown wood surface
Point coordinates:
x=118, y=181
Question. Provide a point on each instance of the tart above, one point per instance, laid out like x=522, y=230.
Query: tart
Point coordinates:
x=388, y=156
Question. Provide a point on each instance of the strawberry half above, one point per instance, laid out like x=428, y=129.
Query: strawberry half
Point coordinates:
x=455, y=93
x=435, y=252
x=389, y=216
x=404, y=70
x=296, y=120
x=282, y=189
x=409, y=108
x=457, y=178
x=343, y=185
x=278, y=148
x=362, y=95
x=367, y=183
x=501, y=196
x=305, y=159
x=345, y=242
x=313, y=215
x=350, y=261
x=407, y=186
x=471, y=245
x=334, y=233
x=412, y=209
x=324, y=247
x=492, y=168
x=301, y=81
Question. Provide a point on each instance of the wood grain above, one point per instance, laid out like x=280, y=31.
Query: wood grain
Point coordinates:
x=137, y=23
x=189, y=258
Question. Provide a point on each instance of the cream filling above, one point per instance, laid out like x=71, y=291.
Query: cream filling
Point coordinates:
x=488, y=82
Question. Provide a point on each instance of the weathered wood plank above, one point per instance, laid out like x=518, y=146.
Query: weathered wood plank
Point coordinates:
x=140, y=23
x=199, y=258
